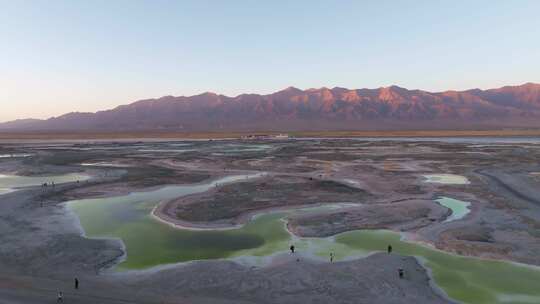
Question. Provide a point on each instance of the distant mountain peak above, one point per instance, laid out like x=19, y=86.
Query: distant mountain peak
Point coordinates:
x=208, y=93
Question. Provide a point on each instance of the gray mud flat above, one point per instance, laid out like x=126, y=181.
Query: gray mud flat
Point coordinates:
x=42, y=248
x=370, y=280
x=229, y=203
x=405, y=215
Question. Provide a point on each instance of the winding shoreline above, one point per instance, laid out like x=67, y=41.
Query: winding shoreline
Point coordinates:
x=243, y=219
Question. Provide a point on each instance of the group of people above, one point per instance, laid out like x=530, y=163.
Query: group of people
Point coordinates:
x=401, y=272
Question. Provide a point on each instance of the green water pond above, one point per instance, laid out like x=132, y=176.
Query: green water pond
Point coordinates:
x=151, y=243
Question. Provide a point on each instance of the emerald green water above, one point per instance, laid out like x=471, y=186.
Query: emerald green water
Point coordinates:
x=469, y=280
x=151, y=243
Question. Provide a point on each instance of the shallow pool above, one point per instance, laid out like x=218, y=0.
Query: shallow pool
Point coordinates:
x=5, y=190
x=459, y=208
x=105, y=164
x=9, y=183
x=470, y=280
x=449, y=179
x=151, y=243
x=15, y=155
x=239, y=148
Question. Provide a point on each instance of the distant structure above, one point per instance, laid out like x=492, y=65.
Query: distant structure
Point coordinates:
x=265, y=136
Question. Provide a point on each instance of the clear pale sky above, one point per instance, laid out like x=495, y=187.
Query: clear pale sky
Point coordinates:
x=62, y=56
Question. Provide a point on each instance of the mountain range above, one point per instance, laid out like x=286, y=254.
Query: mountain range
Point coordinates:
x=388, y=108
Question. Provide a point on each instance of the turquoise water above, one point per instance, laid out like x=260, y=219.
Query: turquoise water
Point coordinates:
x=459, y=208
